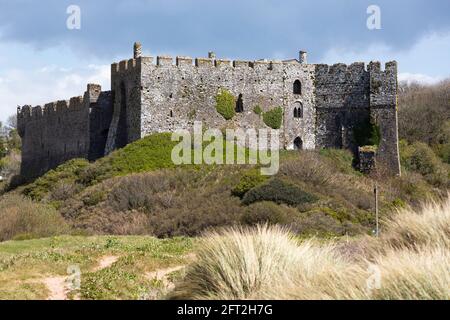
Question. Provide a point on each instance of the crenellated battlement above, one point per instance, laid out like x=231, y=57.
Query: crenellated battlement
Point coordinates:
x=60, y=106
x=124, y=66
x=131, y=65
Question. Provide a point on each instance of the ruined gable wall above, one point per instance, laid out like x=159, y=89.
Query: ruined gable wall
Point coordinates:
x=342, y=101
x=174, y=95
x=383, y=107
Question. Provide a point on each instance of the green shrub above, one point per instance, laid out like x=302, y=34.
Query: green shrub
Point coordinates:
x=367, y=133
x=419, y=157
x=21, y=218
x=226, y=104
x=67, y=173
x=278, y=191
x=267, y=212
x=249, y=180
x=257, y=109
x=273, y=118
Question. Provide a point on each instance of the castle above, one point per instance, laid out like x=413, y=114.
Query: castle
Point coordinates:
x=322, y=107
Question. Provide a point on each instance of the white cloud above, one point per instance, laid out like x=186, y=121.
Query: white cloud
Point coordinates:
x=417, y=77
x=426, y=61
x=46, y=84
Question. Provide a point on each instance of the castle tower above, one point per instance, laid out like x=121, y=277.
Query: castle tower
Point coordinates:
x=303, y=57
x=137, y=50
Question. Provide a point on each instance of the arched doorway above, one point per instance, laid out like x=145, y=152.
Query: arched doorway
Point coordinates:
x=298, y=143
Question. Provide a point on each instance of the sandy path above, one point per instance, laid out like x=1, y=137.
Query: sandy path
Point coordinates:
x=106, y=262
x=59, y=286
x=162, y=273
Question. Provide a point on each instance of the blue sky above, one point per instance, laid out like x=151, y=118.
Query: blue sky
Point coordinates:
x=41, y=60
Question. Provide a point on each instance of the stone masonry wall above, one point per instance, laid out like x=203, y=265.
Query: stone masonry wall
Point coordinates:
x=174, y=95
x=58, y=132
x=52, y=135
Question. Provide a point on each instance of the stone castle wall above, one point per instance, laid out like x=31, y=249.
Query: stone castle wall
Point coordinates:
x=161, y=95
x=61, y=131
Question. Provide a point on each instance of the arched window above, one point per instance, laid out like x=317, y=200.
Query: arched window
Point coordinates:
x=240, y=104
x=297, y=87
x=298, y=110
x=298, y=143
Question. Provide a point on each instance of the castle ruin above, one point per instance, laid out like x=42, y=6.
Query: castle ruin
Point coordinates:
x=322, y=106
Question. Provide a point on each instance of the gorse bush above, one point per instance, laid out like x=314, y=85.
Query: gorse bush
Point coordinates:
x=249, y=180
x=268, y=212
x=273, y=118
x=226, y=104
x=420, y=157
x=22, y=218
x=278, y=191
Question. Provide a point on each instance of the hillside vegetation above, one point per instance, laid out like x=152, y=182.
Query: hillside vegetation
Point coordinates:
x=424, y=116
x=137, y=190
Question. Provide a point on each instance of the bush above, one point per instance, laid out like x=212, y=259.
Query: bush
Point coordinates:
x=249, y=180
x=195, y=216
x=226, y=104
x=142, y=192
x=273, y=118
x=268, y=212
x=310, y=168
x=278, y=191
x=420, y=158
x=22, y=218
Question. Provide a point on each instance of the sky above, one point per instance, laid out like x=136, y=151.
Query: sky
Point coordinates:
x=42, y=60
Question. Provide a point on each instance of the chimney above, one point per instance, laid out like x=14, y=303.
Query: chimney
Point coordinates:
x=137, y=50
x=302, y=57
x=211, y=55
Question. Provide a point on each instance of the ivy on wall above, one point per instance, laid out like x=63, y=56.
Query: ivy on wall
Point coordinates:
x=273, y=118
x=225, y=104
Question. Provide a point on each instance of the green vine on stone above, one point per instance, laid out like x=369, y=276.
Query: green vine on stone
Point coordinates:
x=225, y=104
x=273, y=118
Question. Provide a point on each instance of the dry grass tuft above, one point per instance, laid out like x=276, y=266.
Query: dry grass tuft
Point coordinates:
x=410, y=261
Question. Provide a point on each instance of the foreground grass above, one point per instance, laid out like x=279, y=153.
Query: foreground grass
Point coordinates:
x=24, y=265
x=411, y=260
